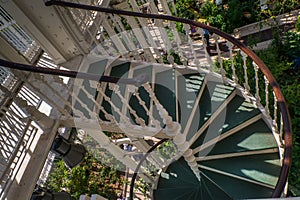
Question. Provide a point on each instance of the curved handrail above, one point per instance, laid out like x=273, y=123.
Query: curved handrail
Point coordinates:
x=72, y=74
x=278, y=94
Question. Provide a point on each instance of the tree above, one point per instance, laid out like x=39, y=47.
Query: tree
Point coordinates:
x=90, y=177
x=188, y=9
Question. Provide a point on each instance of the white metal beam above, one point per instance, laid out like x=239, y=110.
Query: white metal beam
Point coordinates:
x=9, y=53
x=237, y=154
x=43, y=24
x=23, y=189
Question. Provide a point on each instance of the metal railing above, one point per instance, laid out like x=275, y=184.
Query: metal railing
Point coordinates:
x=17, y=37
x=255, y=79
x=153, y=38
x=16, y=137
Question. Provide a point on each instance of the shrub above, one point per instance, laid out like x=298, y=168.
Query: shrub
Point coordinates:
x=298, y=24
x=90, y=177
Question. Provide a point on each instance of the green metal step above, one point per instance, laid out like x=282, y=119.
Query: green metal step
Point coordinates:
x=189, y=85
x=177, y=188
x=212, y=189
x=191, y=195
x=176, y=193
x=236, y=112
x=256, y=136
x=261, y=168
x=224, y=179
x=178, y=173
x=238, y=189
x=237, y=153
x=212, y=97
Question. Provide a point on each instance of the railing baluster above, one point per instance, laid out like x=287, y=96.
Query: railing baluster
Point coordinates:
x=257, y=96
x=172, y=128
x=190, y=42
x=178, y=41
x=246, y=83
x=281, y=132
x=191, y=161
x=11, y=124
x=44, y=121
x=62, y=92
x=267, y=96
x=220, y=60
x=28, y=96
x=123, y=118
x=108, y=116
x=4, y=149
x=152, y=120
x=234, y=76
x=6, y=137
x=116, y=89
x=10, y=114
x=6, y=133
x=275, y=113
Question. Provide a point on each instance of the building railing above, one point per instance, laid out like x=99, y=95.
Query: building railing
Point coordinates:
x=137, y=42
x=16, y=138
x=17, y=130
x=17, y=37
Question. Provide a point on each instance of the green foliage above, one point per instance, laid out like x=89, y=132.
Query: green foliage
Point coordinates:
x=88, y=178
x=231, y=16
x=235, y=13
x=213, y=14
x=279, y=59
x=298, y=24
x=125, y=24
x=142, y=186
x=209, y=9
x=218, y=21
x=170, y=34
x=291, y=44
x=240, y=13
x=277, y=7
x=101, y=154
x=188, y=9
x=167, y=150
x=179, y=27
x=286, y=47
x=294, y=178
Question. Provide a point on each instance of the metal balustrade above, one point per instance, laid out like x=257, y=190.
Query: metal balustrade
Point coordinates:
x=225, y=47
x=16, y=137
x=17, y=37
x=114, y=36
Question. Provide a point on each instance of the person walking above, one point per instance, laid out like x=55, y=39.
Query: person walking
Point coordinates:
x=206, y=36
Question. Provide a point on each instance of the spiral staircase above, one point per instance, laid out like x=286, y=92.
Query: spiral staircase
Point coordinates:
x=107, y=69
